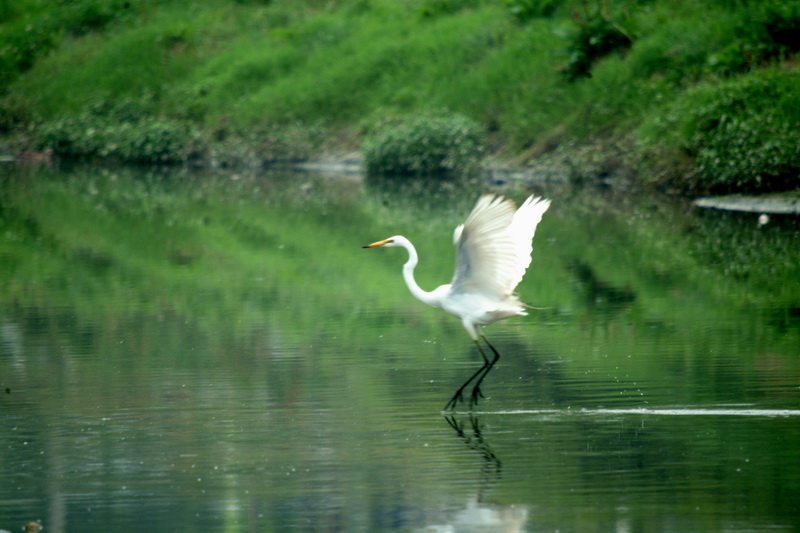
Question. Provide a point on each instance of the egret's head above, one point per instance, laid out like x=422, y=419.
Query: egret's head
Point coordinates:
x=384, y=242
x=397, y=240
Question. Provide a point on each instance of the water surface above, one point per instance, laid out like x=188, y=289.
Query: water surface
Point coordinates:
x=216, y=352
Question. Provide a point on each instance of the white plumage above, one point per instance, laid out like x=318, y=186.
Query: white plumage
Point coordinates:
x=493, y=252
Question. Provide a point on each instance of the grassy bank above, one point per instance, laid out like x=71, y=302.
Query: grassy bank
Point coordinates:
x=701, y=95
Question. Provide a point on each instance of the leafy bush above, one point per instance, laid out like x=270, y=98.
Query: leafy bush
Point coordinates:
x=433, y=8
x=525, y=10
x=21, y=45
x=147, y=141
x=751, y=152
x=128, y=131
x=738, y=135
x=781, y=22
x=123, y=132
x=424, y=145
x=596, y=37
x=81, y=17
x=768, y=32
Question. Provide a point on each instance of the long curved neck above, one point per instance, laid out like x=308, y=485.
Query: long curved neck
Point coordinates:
x=408, y=274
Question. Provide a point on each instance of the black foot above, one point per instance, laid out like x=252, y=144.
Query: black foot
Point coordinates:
x=457, y=397
x=476, y=394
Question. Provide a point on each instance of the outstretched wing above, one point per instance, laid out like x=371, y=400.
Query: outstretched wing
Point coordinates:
x=523, y=228
x=494, y=245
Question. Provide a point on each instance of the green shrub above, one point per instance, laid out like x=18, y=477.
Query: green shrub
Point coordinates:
x=147, y=141
x=122, y=131
x=752, y=152
x=525, y=10
x=81, y=17
x=424, y=145
x=781, y=21
x=433, y=8
x=770, y=31
x=737, y=135
x=128, y=131
x=21, y=45
x=596, y=37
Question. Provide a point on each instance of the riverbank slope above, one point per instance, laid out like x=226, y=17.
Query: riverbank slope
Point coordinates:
x=695, y=96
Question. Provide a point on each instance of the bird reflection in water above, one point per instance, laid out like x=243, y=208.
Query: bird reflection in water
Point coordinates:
x=478, y=514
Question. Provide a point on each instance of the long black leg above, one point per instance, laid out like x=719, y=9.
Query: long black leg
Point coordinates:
x=459, y=395
x=476, y=390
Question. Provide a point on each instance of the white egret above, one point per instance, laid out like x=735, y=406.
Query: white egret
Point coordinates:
x=493, y=251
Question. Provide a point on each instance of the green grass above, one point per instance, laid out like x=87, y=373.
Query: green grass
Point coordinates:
x=528, y=72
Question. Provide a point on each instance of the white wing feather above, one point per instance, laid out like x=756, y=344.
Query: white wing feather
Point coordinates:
x=523, y=228
x=494, y=245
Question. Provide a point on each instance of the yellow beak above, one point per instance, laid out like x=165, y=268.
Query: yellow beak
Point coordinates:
x=379, y=243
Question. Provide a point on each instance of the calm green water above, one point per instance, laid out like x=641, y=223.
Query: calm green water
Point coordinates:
x=215, y=352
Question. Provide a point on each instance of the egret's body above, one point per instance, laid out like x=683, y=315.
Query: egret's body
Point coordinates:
x=494, y=250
